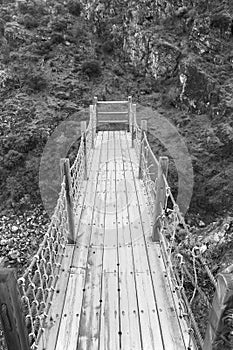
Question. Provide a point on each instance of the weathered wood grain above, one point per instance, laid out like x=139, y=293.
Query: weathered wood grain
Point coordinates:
x=50, y=334
x=148, y=314
x=113, y=292
x=130, y=326
x=89, y=331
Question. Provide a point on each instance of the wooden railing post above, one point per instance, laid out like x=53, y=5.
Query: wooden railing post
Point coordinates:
x=65, y=171
x=95, y=101
x=160, y=197
x=11, y=313
x=83, y=131
x=220, y=316
x=93, y=129
x=133, y=124
x=144, y=129
x=130, y=114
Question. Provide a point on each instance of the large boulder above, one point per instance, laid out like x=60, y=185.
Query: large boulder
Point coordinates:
x=154, y=55
x=198, y=91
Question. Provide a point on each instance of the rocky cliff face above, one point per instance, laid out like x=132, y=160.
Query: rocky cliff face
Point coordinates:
x=184, y=41
x=181, y=53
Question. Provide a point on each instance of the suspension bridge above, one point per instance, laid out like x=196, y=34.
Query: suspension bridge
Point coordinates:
x=109, y=273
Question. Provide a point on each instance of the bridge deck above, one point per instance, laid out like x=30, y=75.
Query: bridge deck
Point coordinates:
x=116, y=292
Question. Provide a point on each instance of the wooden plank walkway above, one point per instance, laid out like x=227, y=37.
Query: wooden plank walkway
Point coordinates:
x=116, y=291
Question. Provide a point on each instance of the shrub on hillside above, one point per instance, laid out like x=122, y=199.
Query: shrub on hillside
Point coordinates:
x=77, y=32
x=74, y=7
x=59, y=25
x=22, y=6
x=2, y=27
x=108, y=47
x=59, y=9
x=34, y=8
x=12, y=159
x=30, y=22
x=170, y=97
x=43, y=48
x=44, y=21
x=36, y=82
x=14, y=190
x=56, y=38
x=91, y=68
x=221, y=21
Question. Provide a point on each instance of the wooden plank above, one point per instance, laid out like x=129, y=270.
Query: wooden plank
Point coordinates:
x=110, y=331
x=110, y=226
x=92, y=177
x=113, y=113
x=84, y=227
x=149, y=320
x=136, y=215
x=50, y=334
x=124, y=236
x=111, y=102
x=88, y=337
x=116, y=121
x=173, y=339
x=148, y=313
x=130, y=327
x=139, y=214
x=68, y=333
x=117, y=145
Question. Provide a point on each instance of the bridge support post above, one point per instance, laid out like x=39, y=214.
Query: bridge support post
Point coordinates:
x=65, y=171
x=83, y=132
x=160, y=197
x=93, y=129
x=133, y=124
x=144, y=129
x=95, y=101
x=11, y=312
x=130, y=114
x=220, y=317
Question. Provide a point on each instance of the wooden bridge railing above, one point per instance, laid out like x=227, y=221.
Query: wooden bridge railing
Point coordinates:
x=123, y=117
x=25, y=304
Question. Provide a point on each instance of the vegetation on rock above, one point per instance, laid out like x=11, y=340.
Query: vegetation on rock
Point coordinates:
x=74, y=7
x=91, y=68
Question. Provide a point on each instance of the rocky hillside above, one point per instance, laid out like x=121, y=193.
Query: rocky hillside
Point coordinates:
x=175, y=57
